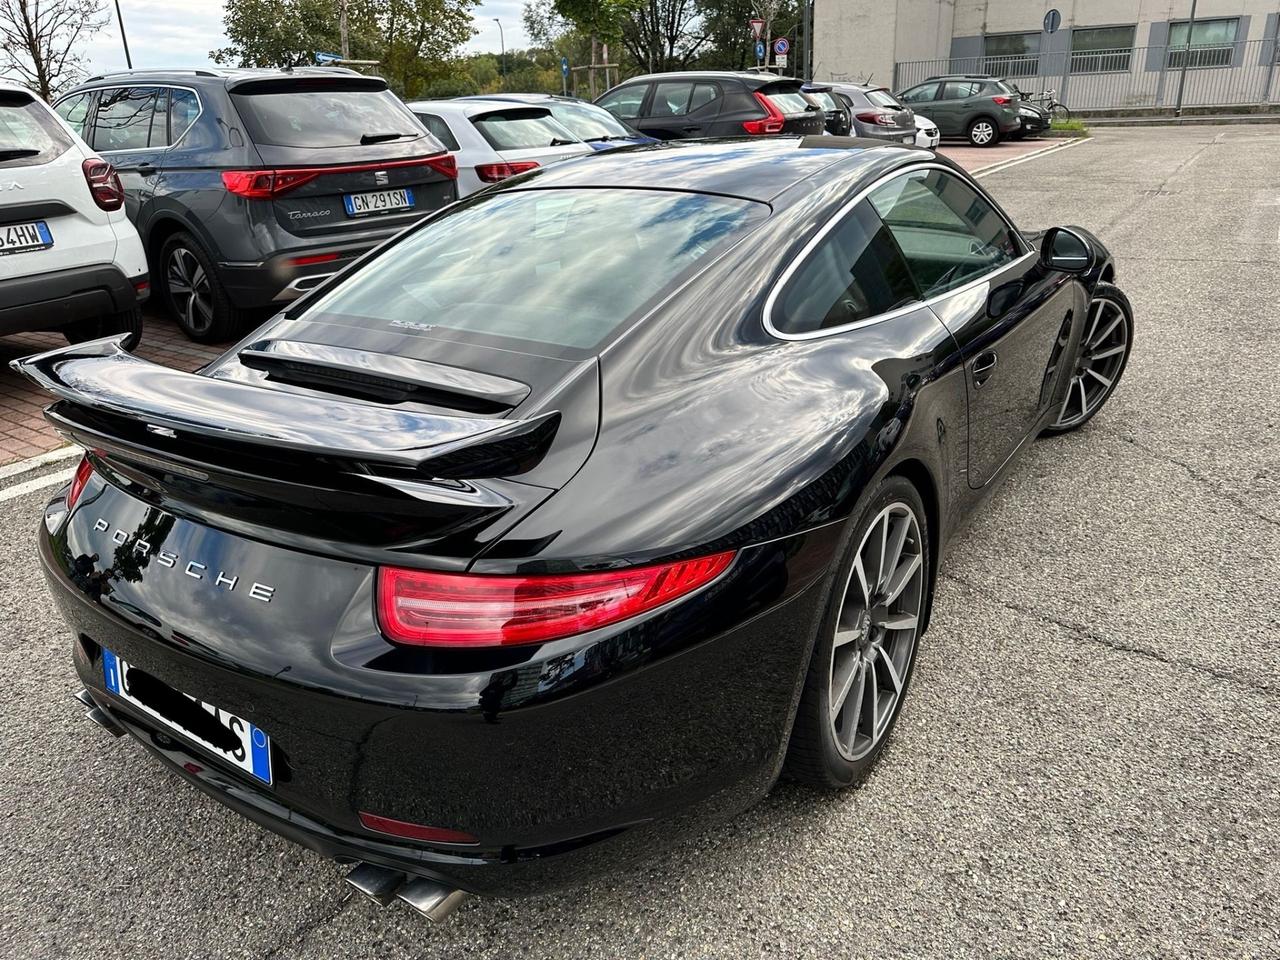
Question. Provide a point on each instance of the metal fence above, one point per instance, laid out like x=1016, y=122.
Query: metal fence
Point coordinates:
x=1230, y=74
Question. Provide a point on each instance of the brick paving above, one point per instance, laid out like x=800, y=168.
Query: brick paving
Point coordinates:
x=25, y=433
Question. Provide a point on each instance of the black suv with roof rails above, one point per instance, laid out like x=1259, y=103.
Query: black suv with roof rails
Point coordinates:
x=250, y=187
x=714, y=103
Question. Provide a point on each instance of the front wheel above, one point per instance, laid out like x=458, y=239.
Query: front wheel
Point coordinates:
x=865, y=651
x=1058, y=113
x=983, y=132
x=1100, y=360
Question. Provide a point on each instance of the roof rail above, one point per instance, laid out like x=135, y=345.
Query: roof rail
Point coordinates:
x=195, y=72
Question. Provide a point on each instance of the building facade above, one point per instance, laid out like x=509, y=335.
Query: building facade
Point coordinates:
x=1102, y=54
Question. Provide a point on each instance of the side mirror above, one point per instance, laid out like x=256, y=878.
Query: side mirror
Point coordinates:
x=1065, y=250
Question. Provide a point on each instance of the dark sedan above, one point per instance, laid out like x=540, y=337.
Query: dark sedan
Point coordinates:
x=568, y=519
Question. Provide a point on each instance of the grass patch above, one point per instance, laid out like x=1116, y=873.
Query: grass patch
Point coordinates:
x=1069, y=126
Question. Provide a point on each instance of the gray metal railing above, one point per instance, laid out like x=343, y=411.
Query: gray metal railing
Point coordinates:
x=1232, y=74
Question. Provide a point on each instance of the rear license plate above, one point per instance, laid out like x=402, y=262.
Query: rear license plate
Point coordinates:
x=24, y=237
x=381, y=201
x=251, y=751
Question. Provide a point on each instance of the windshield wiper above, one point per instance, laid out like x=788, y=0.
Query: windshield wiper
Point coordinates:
x=557, y=142
x=15, y=152
x=369, y=138
x=606, y=139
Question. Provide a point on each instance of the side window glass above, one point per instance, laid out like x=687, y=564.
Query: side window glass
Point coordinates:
x=671, y=100
x=926, y=91
x=705, y=99
x=957, y=91
x=124, y=118
x=626, y=102
x=75, y=111
x=440, y=130
x=184, y=107
x=854, y=273
x=160, y=120
x=948, y=233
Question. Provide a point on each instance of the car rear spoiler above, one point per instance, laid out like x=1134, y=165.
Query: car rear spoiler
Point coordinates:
x=102, y=376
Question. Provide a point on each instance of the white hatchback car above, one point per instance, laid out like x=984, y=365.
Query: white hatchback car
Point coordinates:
x=495, y=139
x=70, y=260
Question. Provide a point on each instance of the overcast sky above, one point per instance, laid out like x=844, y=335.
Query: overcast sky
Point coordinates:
x=180, y=33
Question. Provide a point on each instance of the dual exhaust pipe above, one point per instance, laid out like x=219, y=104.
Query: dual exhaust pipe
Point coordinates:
x=382, y=885
x=434, y=900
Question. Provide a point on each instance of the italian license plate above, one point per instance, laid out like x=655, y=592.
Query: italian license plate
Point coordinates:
x=23, y=237
x=252, y=753
x=380, y=201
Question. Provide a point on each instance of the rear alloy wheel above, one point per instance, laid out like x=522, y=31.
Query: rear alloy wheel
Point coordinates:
x=862, y=663
x=1100, y=361
x=983, y=132
x=196, y=298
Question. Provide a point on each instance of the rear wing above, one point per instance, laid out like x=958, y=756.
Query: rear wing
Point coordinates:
x=104, y=378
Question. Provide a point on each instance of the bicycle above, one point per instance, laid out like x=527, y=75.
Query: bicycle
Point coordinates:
x=1048, y=100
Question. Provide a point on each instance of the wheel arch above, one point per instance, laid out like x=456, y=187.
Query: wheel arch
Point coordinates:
x=921, y=477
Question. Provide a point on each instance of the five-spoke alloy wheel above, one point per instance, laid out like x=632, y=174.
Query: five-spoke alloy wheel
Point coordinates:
x=189, y=290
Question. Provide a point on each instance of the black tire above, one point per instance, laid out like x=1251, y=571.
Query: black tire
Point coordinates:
x=1105, y=293
x=983, y=132
x=190, y=289
x=813, y=755
x=126, y=321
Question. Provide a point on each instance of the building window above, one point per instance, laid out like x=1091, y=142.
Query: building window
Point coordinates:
x=1101, y=50
x=1212, y=43
x=1012, y=54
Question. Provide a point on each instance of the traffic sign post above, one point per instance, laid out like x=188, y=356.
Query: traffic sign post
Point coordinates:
x=759, y=52
x=757, y=28
x=780, y=61
x=564, y=74
x=323, y=58
x=1052, y=21
x=781, y=47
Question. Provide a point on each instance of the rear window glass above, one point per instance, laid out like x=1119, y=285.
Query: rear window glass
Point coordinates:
x=589, y=122
x=788, y=101
x=883, y=98
x=29, y=134
x=325, y=118
x=825, y=100
x=522, y=129
x=564, y=269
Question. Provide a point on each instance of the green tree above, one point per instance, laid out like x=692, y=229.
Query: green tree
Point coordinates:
x=419, y=40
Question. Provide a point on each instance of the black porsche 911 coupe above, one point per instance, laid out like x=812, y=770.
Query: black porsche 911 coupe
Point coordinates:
x=577, y=513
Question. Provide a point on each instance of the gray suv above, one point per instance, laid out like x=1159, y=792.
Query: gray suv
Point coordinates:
x=251, y=187
x=982, y=109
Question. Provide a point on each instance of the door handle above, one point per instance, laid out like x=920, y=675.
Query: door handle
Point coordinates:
x=145, y=169
x=983, y=367
x=691, y=129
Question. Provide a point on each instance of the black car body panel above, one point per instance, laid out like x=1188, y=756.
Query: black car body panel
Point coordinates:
x=696, y=429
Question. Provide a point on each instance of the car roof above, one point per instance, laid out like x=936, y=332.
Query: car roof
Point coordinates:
x=754, y=168
x=747, y=77
x=9, y=86
x=227, y=75
x=466, y=106
x=523, y=97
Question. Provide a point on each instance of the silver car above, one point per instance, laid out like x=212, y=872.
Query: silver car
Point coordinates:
x=876, y=112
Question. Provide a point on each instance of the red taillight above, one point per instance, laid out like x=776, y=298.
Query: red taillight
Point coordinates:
x=1002, y=101
x=142, y=289
x=104, y=183
x=314, y=258
x=493, y=172
x=414, y=831
x=266, y=184
x=878, y=118
x=451, y=609
x=771, y=123
x=83, y=472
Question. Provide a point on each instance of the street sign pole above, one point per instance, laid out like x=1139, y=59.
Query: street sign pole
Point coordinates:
x=564, y=74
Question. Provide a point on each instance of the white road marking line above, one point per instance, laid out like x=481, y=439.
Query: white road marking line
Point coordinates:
x=53, y=456
x=1006, y=164
x=31, y=486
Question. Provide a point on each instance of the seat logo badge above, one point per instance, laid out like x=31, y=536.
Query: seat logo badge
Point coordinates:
x=192, y=568
x=381, y=178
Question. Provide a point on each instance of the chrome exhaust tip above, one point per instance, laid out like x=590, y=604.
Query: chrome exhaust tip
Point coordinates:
x=103, y=719
x=379, y=884
x=433, y=900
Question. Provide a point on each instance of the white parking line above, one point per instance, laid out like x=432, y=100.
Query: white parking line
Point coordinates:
x=31, y=486
x=1006, y=164
x=52, y=456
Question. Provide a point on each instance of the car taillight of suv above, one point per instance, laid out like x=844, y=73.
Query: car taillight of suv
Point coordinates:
x=771, y=123
x=104, y=183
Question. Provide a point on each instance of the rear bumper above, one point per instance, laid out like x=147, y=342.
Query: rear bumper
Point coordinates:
x=50, y=301
x=873, y=131
x=283, y=278
x=563, y=766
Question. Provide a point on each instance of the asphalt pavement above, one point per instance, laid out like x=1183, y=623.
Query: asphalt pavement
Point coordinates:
x=1088, y=764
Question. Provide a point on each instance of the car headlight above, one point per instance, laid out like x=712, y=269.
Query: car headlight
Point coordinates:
x=1028, y=113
